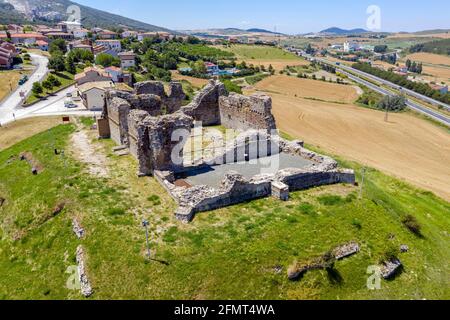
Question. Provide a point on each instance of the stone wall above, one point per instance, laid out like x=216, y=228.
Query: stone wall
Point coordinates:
x=243, y=112
x=118, y=110
x=205, y=105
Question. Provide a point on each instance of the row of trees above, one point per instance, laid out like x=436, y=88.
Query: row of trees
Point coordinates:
x=418, y=87
x=50, y=83
x=414, y=66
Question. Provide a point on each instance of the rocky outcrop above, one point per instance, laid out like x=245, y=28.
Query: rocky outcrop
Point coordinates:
x=77, y=229
x=346, y=250
x=390, y=268
x=86, y=288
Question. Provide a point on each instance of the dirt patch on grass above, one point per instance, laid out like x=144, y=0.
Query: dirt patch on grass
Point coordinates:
x=35, y=165
x=15, y=132
x=89, y=154
x=407, y=147
x=9, y=80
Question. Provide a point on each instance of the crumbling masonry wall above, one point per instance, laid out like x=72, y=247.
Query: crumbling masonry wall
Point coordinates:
x=243, y=112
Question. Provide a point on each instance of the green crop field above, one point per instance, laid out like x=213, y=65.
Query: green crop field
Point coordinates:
x=232, y=253
x=260, y=52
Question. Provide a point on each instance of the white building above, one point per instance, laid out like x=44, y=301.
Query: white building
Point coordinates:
x=113, y=45
x=350, y=46
x=80, y=33
x=93, y=94
x=127, y=59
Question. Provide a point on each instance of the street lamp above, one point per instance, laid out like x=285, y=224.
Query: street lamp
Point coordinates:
x=145, y=224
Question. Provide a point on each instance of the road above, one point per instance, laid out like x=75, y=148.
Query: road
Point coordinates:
x=390, y=84
x=415, y=106
x=11, y=109
x=411, y=104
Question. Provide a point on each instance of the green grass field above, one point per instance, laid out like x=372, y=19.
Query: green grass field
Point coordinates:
x=260, y=52
x=226, y=254
x=65, y=78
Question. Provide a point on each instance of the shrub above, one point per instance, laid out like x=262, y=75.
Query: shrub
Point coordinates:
x=116, y=212
x=306, y=208
x=154, y=199
x=330, y=200
x=412, y=224
x=232, y=87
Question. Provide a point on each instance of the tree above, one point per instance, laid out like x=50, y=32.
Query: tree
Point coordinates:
x=58, y=45
x=199, y=67
x=419, y=68
x=37, y=89
x=57, y=63
x=70, y=65
x=408, y=64
x=81, y=55
x=107, y=60
x=47, y=85
x=380, y=48
x=54, y=81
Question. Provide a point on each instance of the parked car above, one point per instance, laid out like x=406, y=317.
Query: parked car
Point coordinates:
x=69, y=104
x=23, y=80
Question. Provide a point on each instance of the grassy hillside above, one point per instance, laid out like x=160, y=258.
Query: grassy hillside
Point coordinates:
x=228, y=253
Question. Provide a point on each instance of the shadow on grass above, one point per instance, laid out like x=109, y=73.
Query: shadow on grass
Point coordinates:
x=397, y=274
x=334, y=277
x=166, y=263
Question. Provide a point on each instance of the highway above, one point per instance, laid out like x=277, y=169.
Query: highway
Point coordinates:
x=411, y=104
x=415, y=106
x=390, y=84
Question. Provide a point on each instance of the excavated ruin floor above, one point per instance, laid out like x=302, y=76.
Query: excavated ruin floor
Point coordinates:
x=214, y=175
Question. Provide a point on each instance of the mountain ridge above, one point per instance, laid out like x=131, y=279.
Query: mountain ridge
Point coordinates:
x=38, y=11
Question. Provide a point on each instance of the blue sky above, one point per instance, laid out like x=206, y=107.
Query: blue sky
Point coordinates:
x=289, y=16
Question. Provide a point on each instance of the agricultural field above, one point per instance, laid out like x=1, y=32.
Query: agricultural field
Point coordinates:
x=264, y=55
x=436, y=67
x=406, y=147
x=308, y=89
x=8, y=80
x=241, y=252
x=15, y=132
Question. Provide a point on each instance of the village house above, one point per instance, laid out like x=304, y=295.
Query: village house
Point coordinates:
x=24, y=38
x=92, y=74
x=158, y=35
x=7, y=54
x=42, y=45
x=114, y=46
x=127, y=59
x=60, y=35
x=97, y=49
x=212, y=68
x=118, y=75
x=441, y=89
x=93, y=94
x=14, y=28
x=80, y=33
x=106, y=35
x=129, y=34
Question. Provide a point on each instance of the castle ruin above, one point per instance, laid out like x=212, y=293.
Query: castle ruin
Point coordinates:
x=149, y=120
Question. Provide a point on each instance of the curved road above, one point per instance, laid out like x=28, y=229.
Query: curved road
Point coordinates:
x=11, y=109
